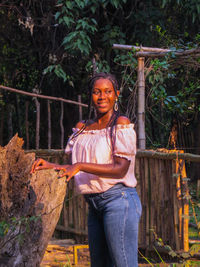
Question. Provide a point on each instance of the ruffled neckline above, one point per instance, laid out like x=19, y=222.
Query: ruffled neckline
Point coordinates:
x=118, y=126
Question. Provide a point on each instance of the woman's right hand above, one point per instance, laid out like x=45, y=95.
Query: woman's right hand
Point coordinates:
x=41, y=164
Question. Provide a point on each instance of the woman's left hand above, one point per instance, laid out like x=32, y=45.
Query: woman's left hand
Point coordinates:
x=69, y=171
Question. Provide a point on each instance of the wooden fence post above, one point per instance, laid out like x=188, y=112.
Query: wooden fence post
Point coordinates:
x=37, y=135
x=10, y=121
x=27, y=125
x=80, y=109
x=49, y=123
x=61, y=125
x=1, y=121
x=141, y=104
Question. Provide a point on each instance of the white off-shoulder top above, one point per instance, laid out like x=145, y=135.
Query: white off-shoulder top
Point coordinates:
x=94, y=146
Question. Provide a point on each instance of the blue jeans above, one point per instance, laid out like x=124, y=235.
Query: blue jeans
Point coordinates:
x=113, y=227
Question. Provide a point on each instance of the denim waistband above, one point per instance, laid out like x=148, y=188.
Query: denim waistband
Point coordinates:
x=114, y=187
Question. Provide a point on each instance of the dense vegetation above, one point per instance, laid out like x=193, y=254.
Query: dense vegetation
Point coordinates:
x=52, y=47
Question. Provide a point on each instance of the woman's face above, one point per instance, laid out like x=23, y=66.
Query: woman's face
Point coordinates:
x=103, y=96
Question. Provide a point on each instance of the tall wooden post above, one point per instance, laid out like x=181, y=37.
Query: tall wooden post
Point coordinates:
x=27, y=125
x=61, y=125
x=141, y=104
x=49, y=123
x=80, y=109
x=37, y=135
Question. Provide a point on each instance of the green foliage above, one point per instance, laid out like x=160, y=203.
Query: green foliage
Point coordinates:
x=190, y=7
x=83, y=30
x=14, y=223
x=4, y=227
x=185, y=96
x=79, y=27
x=58, y=56
x=102, y=66
x=58, y=70
x=111, y=35
x=128, y=65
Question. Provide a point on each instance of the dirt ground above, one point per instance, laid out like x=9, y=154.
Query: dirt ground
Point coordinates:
x=56, y=255
x=62, y=255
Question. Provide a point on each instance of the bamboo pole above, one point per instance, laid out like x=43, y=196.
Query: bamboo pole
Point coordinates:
x=140, y=48
x=141, y=104
x=141, y=51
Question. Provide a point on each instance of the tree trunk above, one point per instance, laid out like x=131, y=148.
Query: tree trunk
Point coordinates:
x=30, y=207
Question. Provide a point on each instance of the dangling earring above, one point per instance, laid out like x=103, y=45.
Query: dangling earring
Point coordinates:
x=116, y=105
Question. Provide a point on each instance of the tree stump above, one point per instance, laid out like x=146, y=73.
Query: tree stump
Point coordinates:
x=30, y=206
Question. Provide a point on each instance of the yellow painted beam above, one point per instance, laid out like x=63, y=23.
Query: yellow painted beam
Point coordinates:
x=75, y=250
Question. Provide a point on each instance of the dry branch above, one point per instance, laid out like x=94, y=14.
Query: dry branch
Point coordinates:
x=43, y=96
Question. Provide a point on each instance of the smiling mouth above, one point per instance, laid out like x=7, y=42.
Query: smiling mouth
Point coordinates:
x=102, y=105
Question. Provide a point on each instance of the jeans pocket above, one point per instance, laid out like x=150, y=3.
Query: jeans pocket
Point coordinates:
x=110, y=195
x=137, y=203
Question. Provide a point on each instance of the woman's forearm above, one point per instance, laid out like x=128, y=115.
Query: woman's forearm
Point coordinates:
x=118, y=169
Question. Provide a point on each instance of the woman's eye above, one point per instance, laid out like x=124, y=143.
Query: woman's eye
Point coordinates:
x=96, y=92
x=108, y=92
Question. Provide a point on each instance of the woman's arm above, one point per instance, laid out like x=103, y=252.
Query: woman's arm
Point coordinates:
x=117, y=169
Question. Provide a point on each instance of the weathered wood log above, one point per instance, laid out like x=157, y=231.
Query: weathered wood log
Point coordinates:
x=30, y=206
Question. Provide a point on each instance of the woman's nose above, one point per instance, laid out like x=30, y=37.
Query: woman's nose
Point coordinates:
x=102, y=95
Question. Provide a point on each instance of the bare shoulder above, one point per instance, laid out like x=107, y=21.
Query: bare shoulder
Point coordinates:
x=123, y=120
x=80, y=124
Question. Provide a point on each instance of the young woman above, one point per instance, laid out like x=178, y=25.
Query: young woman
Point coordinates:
x=103, y=159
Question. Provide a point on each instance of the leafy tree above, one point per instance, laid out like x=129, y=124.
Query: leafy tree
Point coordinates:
x=55, y=45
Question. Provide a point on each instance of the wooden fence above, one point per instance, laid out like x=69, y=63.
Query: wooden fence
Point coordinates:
x=163, y=190
x=28, y=131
